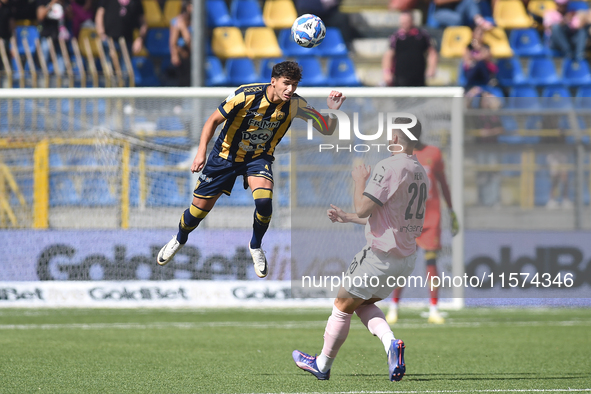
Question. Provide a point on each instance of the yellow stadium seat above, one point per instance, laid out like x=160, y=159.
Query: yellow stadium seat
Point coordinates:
x=497, y=40
x=511, y=14
x=153, y=14
x=279, y=14
x=455, y=40
x=90, y=34
x=261, y=42
x=227, y=42
x=538, y=7
x=172, y=8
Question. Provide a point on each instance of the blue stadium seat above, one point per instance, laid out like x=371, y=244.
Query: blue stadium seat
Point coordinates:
x=431, y=22
x=169, y=123
x=557, y=97
x=30, y=34
x=164, y=191
x=62, y=191
x=217, y=14
x=247, y=13
x=312, y=74
x=97, y=192
x=266, y=67
x=526, y=42
x=576, y=73
x=144, y=72
x=291, y=49
x=522, y=98
x=511, y=158
x=215, y=75
x=241, y=71
x=333, y=44
x=577, y=6
x=510, y=73
x=341, y=72
x=157, y=42
x=583, y=98
x=542, y=72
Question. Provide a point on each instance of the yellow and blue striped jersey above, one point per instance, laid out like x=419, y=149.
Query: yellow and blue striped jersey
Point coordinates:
x=254, y=125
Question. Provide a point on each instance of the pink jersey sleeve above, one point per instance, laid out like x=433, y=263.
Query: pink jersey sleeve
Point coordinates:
x=382, y=184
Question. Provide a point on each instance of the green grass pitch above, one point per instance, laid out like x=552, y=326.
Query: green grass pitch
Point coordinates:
x=249, y=351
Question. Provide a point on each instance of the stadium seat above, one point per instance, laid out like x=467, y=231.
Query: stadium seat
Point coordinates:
x=431, y=21
x=164, y=191
x=576, y=73
x=333, y=44
x=455, y=40
x=153, y=14
x=215, y=75
x=241, y=72
x=557, y=97
x=497, y=40
x=97, y=192
x=583, y=98
x=312, y=74
x=523, y=98
x=261, y=42
x=157, y=42
x=341, y=72
x=88, y=33
x=574, y=6
x=227, y=43
x=217, y=14
x=169, y=123
x=511, y=14
x=542, y=72
x=538, y=7
x=291, y=49
x=28, y=33
x=62, y=191
x=510, y=73
x=247, y=13
x=279, y=14
x=143, y=71
x=266, y=67
x=526, y=42
x=172, y=8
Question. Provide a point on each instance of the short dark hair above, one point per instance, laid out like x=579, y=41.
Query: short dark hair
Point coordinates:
x=416, y=130
x=287, y=69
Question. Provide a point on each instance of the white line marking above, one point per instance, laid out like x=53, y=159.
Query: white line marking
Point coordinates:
x=279, y=325
x=568, y=390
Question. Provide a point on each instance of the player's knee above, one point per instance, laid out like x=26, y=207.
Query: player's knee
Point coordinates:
x=191, y=218
x=263, y=200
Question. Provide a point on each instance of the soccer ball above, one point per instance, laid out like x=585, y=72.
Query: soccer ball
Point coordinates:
x=308, y=31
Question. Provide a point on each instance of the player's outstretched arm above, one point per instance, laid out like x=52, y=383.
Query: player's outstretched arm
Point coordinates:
x=207, y=133
x=364, y=206
x=336, y=214
x=334, y=101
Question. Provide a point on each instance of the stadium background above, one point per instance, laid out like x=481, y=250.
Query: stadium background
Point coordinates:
x=93, y=175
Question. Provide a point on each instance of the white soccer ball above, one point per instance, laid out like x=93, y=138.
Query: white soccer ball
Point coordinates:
x=308, y=31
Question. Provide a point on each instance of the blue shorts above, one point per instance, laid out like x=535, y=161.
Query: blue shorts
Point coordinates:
x=219, y=175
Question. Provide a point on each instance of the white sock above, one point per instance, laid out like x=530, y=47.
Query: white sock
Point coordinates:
x=433, y=309
x=387, y=339
x=324, y=363
x=394, y=306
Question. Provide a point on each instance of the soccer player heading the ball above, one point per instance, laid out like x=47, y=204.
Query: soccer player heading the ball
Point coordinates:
x=255, y=118
x=390, y=198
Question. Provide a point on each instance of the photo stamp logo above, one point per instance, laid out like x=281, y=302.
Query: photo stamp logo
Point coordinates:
x=344, y=131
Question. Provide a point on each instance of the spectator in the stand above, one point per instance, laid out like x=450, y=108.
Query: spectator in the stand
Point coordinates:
x=83, y=12
x=328, y=11
x=25, y=10
x=488, y=126
x=566, y=30
x=411, y=58
x=51, y=15
x=459, y=13
x=179, y=73
x=119, y=18
x=477, y=62
x=6, y=26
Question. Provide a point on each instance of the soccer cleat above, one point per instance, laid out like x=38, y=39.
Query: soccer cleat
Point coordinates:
x=396, y=365
x=308, y=363
x=260, y=262
x=168, y=251
x=392, y=316
x=435, y=318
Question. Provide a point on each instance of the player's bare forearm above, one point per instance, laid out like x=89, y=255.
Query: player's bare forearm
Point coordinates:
x=336, y=214
x=364, y=206
x=206, y=135
x=444, y=189
x=334, y=101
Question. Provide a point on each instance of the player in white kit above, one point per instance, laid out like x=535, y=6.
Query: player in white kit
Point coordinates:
x=392, y=207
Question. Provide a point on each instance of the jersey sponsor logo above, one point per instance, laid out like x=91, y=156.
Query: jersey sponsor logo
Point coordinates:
x=264, y=124
x=253, y=89
x=250, y=148
x=250, y=112
x=204, y=178
x=418, y=176
x=279, y=115
x=411, y=229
